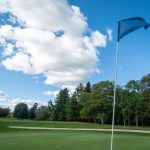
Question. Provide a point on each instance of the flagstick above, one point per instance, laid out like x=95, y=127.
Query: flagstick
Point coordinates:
x=114, y=101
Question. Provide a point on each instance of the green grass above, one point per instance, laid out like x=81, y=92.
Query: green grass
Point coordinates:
x=66, y=140
x=4, y=123
x=19, y=139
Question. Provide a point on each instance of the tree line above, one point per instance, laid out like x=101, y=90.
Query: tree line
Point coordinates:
x=93, y=103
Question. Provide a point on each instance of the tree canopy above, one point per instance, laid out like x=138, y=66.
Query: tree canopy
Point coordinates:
x=21, y=111
x=93, y=103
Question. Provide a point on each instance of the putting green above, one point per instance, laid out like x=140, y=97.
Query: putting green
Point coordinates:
x=71, y=140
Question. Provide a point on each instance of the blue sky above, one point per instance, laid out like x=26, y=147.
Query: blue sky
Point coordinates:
x=134, y=51
x=100, y=15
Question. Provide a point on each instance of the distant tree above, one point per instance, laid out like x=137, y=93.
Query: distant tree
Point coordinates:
x=94, y=104
x=50, y=105
x=72, y=109
x=132, y=86
x=145, y=97
x=118, y=108
x=98, y=104
x=145, y=82
x=32, y=111
x=131, y=104
x=21, y=111
x=52, y=111
x=145, y=113
x=88, y=88
x=80, y=95
x=84, y=101
x=79, y=91
x=60, y=106
x=4, y=112
x=42, y=113
x=132, y=101
x=80, y=88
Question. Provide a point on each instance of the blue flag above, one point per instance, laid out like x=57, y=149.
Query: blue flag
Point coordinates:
x=129, y=25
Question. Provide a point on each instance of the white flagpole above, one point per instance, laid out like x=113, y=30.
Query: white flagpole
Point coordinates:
x=114, y=100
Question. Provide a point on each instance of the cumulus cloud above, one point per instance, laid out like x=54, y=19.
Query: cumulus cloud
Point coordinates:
x=96, y=36
x=51, y=93
x=71, y=89
x=5, y=101
x=109, y=31
x=50, y=38
x=8, y=50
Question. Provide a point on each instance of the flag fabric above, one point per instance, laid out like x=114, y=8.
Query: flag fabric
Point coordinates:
x=129, y=25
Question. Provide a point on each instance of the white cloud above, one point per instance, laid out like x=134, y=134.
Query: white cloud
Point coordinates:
x=109, y=32
x=51, y=40
x=51, y=93
x=5, y=101
x=2, y=41
x=98, y=39
x=19, y=62
x=71, y=89
x=8, y=50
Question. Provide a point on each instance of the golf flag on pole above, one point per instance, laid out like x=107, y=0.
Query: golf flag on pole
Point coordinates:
x=124, y=27
x=129, y=25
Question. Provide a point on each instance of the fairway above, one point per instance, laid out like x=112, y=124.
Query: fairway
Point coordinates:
x=22, y=139
x=66, y=140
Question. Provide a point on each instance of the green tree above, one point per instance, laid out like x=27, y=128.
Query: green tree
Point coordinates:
x=21, y=111
x=145, y=82
x=42, y=113
x=125, y=107
x=94, y=104
x=131, y=104
x=88, y=88
x=52, y=111
x=72, y=109
x=118, y=109
x=145, y=96
x=84, y=101
x=4, y=112
x=61, y=101
x=98, y=104
x=32, y=111
x=79, y=91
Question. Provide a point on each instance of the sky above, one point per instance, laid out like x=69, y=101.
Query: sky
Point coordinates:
x=49, y=45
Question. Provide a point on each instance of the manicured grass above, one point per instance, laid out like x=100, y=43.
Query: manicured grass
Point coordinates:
x=20, y=139
x=67, y=140
x=4, y=123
